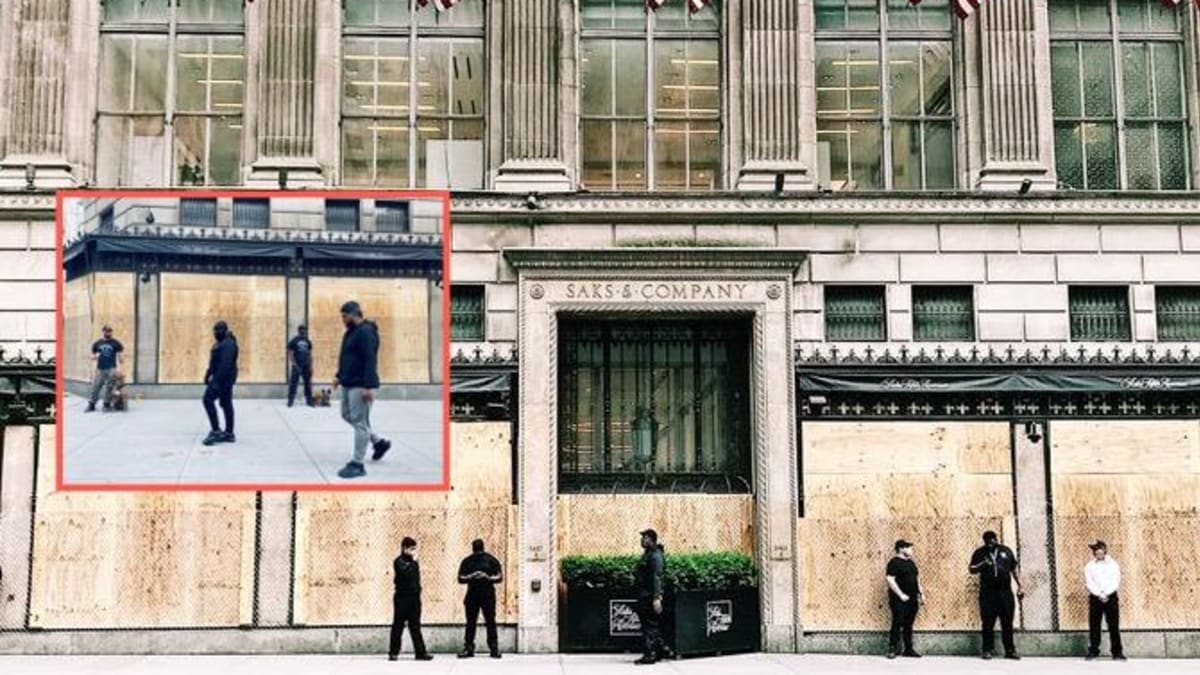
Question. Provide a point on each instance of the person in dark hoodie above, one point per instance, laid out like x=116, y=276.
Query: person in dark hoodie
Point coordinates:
x=358, y=376
x=406, y=603
x=299, y=350
x=219, y=380
x=649, y=582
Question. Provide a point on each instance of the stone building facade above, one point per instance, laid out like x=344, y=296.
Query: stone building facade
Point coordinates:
x=869, y=271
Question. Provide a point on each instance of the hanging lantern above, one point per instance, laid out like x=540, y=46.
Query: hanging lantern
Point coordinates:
x=645, y=437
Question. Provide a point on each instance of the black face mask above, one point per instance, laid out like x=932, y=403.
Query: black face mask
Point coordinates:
x=220, y=334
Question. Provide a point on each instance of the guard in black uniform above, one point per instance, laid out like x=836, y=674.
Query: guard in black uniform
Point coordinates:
x=219, y=380
x=300, y=357
x=996, y=565
x=406, y=603
x=904, y=599
x=649, y=583
x=480, y=571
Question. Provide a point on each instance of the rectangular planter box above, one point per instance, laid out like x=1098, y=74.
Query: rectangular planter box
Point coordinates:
x=601, y=620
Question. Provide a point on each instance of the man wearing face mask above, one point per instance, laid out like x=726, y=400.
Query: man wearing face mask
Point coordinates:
x=219, y=380
x=406, y=603
x=996, y=565
x=358, y=376
x=299, y=351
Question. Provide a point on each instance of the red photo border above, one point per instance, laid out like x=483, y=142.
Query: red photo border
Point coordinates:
x=60, y=280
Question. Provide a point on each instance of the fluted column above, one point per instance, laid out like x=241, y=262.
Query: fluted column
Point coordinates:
x=286, y=56
x=771, y=95
x=531, y=37
x=35, y=79
x=1014, y=93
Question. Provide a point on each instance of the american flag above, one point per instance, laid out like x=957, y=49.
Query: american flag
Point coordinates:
x=693, y=5
x=1175, y=3
x=441, y=5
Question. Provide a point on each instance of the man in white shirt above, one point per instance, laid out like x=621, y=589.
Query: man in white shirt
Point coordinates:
x=1102, y=575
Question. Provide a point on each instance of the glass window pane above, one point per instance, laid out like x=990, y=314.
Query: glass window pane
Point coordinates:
x=829, y=14
x=450, y=77
x=341, y=215
x=1100, y=147
x=1068, y=155
x=1099, y=312
x=905, y=75
x=670, y=156
x=137, y=67
x=125, y=11
x=1064, y=65
x=902, y=15
x=906, y=155
x=1132, y=15
x=209, y=74
x=116, y=71
x=357, y=152
x=1141, y=169
x=190, y=156
x=704, y=161
x=1178, y=312
x=1135, y=62
x=252, y=213
x=129, y=151
x=855, y=151
x=1162, y=18
x=1062, y=17
x=1093, y=16
x=1168, y=86
x=198, y=212
x=596, y=76
x=466, y=312
x=450, y=154
x=848, y=78
x=225, y=155
x=1097, y=79
x=943, y=313
x=597, y=154
x=687, y=77
x=854, y=313
x=463, y=15
x=939, y=156
x=862, y=14
x=215, y=11
x=1172, y=156
x=391, y=216
x=627, y=14
x=629, y=156
x=375, y=77
x=935, y=67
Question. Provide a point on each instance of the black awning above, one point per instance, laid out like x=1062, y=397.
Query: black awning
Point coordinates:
x=1027, y=381
x=480, y=382
x=372, y=253
x=196, y=247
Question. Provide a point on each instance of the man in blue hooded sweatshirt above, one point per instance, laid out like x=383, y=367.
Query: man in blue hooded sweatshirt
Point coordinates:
x=358, y=376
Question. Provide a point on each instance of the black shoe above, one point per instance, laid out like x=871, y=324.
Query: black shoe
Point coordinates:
x=665, y=653
x=214, y=437
x=107, y=407
x=645, y=661
x=911, y=654
x=290, y=403
x=495, y=654
x=352, y=470
x=891, y=654
x=393, y=657
x=1012, y=656
x=1090, y=657
x=466, y=654
x=424, y=657
x=987, y=656
x=228, y=437
x=91, y=408
x=1119, y=657
x=381, y=447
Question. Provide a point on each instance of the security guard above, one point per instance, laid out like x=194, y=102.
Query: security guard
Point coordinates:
x=905, y=595
x=649, y=582
x=996, y=565
x=480, y=571
x=299, y=351
x=406, y=603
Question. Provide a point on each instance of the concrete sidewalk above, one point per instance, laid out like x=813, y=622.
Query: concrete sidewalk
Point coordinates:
x=158, y=442
x=443, y=664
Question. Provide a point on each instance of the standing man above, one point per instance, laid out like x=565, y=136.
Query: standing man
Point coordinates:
x=996, y=565
x=406, y=603
x=480, y=571
x=106, y=352
x=358, y=375
x=299, y=350
x=1102, y=575
x=219, y=380
x=904, y=595
x=649, y=581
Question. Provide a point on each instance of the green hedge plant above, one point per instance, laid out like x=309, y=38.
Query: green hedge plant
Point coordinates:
x=684, y=571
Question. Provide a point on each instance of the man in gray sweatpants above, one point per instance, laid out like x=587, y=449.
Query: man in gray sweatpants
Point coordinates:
x=358, y=376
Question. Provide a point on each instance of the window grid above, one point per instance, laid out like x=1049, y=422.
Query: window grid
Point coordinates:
x=198, y=145
x=391, y=216
x=396, y=41
x=252, y=213
x=341, y=215
x=1099, y=313
x=467, y=317
x=943, y=313
x=1178, y=312
x=889, y=29
x=639, y=137
x=198, y=212
x=854, y=313
x=1089, y=40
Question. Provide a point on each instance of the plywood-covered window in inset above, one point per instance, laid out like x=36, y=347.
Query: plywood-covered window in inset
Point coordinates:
x=400, y=309
x=90, y=302
x=254, y=307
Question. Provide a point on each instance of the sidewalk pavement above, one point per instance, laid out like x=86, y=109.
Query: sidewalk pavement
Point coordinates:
x=159, y=442
x=557, y=664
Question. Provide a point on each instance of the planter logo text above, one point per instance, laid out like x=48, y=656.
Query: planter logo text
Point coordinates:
x=623, y=618
x=719, y=617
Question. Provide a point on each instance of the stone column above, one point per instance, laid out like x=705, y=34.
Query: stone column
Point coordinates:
x=772, y=62
x=435, y=332
x=275, y=558
x=285, y=61
x=35, y=86
x=1017, y=123
x=146, y=360
x=1034, y=544
x=531, y=37
x=16, y=522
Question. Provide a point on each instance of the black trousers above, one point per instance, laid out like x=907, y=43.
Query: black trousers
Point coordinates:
x=904, y=614
x=652, y=640
x=997, y=605
x=486, y=604
x=1110, y=612
x=406, y=611
x=294, y=378
x=224, y=395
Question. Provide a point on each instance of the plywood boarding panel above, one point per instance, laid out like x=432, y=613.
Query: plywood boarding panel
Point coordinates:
x=139, y=560
x=90, y=302
x=345, y=543
x=607, y=524
x=399, y=306
x=939, y=485
x=255, y=307
x=1136, y=485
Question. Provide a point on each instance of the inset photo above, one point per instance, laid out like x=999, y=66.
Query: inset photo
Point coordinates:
x=256, y=340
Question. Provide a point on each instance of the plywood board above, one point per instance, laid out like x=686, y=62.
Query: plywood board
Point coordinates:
x=608, y=524
x=90, y=302
x=139, y=560
x=254, y=307
x=400, y=307
x=905, y=447
x=1129, y=446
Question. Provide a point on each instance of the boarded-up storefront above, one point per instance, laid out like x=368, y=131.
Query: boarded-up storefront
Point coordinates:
x=91, y=302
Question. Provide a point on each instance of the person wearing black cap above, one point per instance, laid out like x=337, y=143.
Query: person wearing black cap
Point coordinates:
x=904, y=595
x=406, y=603
x=480, y=571
x=219, y=380
x=358, y=376
x=299, y=350
x=106, y=352
x=996, y=565
x=648, y=578
x=1102, y=575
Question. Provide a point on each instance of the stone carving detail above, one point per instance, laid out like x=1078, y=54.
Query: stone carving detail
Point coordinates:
x=773, y=291
x=537, y=292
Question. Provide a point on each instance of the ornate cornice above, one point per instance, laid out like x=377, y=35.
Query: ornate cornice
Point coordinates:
x=266, y=235
x=654, y=258
x=814, y=207
x=993, y=356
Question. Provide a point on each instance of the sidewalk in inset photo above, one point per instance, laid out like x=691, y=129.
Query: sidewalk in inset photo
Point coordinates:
x=159, y=442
